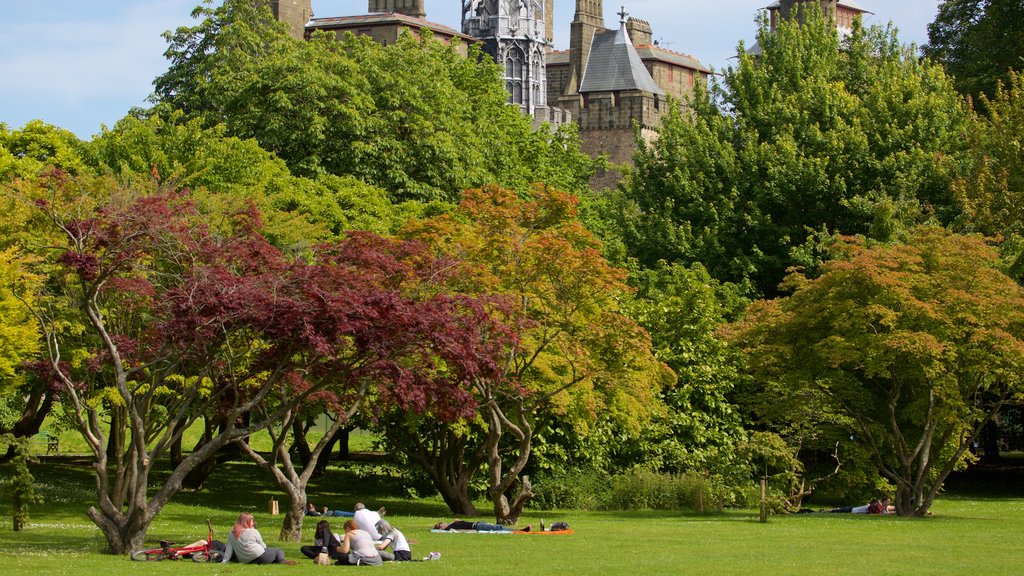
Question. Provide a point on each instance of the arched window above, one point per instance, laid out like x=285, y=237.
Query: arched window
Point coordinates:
x=514, y=74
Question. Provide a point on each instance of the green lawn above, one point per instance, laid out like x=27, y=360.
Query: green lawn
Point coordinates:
x=977, y=536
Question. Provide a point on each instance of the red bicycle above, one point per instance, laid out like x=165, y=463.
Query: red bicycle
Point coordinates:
x=201, y=551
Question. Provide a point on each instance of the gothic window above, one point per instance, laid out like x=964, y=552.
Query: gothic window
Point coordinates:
x=514, y=74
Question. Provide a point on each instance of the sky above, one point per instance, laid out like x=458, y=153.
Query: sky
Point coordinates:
x=80, y=64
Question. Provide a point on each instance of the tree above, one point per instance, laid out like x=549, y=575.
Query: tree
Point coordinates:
x=857, y=136
x=419, y=350
x=22, y=406
x=978, y=41
x=578, y=354
x=917, y=344
x=990, y=196
x=181, y=321
x=415, y=118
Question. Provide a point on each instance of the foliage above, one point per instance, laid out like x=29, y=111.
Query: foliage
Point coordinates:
x=578, y=354
x=682, y=309
x=23, y=487
x=415, y=118
x=918, y=345
x=978, y=41
x=991, y=196
x=858, y=136
x=25, y=152
x=182, y=322
x=19, y=334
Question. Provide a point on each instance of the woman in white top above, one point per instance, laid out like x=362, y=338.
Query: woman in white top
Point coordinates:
x=357, y=548
x=391, y=536
x=245, y=544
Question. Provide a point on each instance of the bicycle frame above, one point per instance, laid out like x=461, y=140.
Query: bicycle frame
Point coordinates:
x=167, y=550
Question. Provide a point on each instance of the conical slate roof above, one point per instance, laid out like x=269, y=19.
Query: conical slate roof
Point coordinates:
x=615, y=65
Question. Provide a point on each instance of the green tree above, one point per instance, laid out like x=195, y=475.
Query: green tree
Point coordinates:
x=918, y=345
x=415, y=118
x=855, y=136
x=991, y=195
x=978, y=41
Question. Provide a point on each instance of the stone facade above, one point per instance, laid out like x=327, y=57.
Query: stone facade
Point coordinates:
x=607, y=105
x=608, y=82
x=295, y=13
x=517, y=35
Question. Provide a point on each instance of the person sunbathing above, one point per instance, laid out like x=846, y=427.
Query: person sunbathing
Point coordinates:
x=478, y=526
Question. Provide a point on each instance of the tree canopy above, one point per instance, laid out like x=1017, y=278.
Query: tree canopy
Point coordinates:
x=813, y=134
x=978, y=41
x=416, y=118
x=917, y=344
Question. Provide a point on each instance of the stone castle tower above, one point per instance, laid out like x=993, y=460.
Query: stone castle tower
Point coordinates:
x=517, y=34
x=412, y=8
x=295, y=13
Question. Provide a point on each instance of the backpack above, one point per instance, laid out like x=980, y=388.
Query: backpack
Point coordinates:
x=557, y=526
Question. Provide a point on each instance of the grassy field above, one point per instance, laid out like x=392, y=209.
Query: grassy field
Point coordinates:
x=980, y=535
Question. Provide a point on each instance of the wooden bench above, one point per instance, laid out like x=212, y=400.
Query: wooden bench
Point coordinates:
x=44, y=437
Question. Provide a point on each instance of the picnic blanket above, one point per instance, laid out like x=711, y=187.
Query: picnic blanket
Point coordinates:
x=537, y=532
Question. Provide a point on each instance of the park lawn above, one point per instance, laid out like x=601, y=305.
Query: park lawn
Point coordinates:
x=978, y=536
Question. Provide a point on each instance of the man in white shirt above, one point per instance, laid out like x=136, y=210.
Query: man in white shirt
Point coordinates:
x=367, y=520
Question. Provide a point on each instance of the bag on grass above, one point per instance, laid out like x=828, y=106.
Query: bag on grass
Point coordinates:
x=557, y=526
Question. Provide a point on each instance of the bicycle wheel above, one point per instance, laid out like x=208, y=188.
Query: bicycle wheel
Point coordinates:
x=200, y=556
x=148, y=555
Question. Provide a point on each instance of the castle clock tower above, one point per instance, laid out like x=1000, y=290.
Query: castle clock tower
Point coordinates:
x=517, y=34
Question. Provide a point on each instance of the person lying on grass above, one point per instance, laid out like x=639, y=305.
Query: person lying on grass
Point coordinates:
x=478, y=526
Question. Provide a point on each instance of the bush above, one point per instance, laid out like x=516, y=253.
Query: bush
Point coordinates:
x=639, y=489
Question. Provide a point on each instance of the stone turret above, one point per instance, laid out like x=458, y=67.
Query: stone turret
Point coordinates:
x=412, y=8
x=294, y=13
x=640, y=33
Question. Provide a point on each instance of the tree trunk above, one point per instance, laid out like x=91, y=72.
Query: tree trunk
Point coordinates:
x=990, y=442
x=291, y=526
x=300, y=446
x=37, y=407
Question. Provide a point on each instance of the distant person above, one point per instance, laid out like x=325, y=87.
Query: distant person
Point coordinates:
x=357, y=547
x=872, y=507
x=390, y=536
x=323, y=542
x=245, y=544
x=367, y=520
x=478, y=526
x=312, y=511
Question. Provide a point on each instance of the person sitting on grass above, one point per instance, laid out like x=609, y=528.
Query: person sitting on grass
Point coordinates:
x=323, y=542
x=245, y=544
x=478, y=526
x=390, y=536
x=357, y=548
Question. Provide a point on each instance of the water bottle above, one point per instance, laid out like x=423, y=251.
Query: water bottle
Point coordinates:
x=541, y=524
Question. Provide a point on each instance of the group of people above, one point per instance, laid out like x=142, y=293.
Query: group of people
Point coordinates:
x=365, y=542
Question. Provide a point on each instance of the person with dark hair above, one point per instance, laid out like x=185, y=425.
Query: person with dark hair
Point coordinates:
x=245, y=544
x=391, y=536
x=323, y=542
x=357, y=548
x=478, y=526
